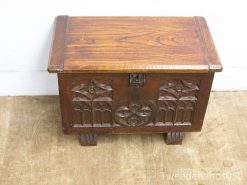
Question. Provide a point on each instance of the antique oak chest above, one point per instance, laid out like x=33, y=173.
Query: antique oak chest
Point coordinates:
x=133, y=74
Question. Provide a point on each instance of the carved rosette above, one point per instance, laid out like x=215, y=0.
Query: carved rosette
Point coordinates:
x=134, y=114
x=92, y=90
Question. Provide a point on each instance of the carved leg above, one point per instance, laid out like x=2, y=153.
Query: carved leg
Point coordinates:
x=88, y=139
x=174, y=138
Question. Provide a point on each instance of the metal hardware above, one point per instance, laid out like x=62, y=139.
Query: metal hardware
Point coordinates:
x=136, y=79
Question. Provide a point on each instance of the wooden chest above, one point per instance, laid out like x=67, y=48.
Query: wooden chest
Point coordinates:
x=133, y=74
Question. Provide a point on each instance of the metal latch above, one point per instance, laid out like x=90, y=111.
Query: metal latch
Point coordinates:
x=136, y=79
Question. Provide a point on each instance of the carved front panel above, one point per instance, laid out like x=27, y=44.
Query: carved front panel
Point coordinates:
x=94, y=104
x=177, y=102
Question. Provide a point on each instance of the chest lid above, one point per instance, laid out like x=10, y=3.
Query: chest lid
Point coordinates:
x=132, y=44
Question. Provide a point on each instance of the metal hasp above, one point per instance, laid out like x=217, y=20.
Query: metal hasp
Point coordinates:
x=136, y=79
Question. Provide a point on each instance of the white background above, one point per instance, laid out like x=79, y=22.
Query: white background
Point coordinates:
x=26, y=27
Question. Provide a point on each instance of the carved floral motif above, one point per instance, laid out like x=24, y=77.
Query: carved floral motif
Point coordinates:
x=179, y=89
x=92, y=103
x=134, y=114
x=93, y=90
x=177, y=102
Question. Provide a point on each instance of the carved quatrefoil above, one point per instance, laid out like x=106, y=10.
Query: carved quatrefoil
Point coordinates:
x=134, y=114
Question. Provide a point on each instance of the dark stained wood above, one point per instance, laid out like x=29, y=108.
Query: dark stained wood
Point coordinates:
x=88, y=139
x=82, y=92
x=57, y=48
x=115, y=77
x=174, y=138
x=133, y=44
x=213, y=58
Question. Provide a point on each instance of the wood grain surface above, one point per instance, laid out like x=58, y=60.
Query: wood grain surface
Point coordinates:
x=34, y=151
x=133, y=44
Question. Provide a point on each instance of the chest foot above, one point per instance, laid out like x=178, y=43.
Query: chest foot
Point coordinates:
x=174, y=138
x=88, y=139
